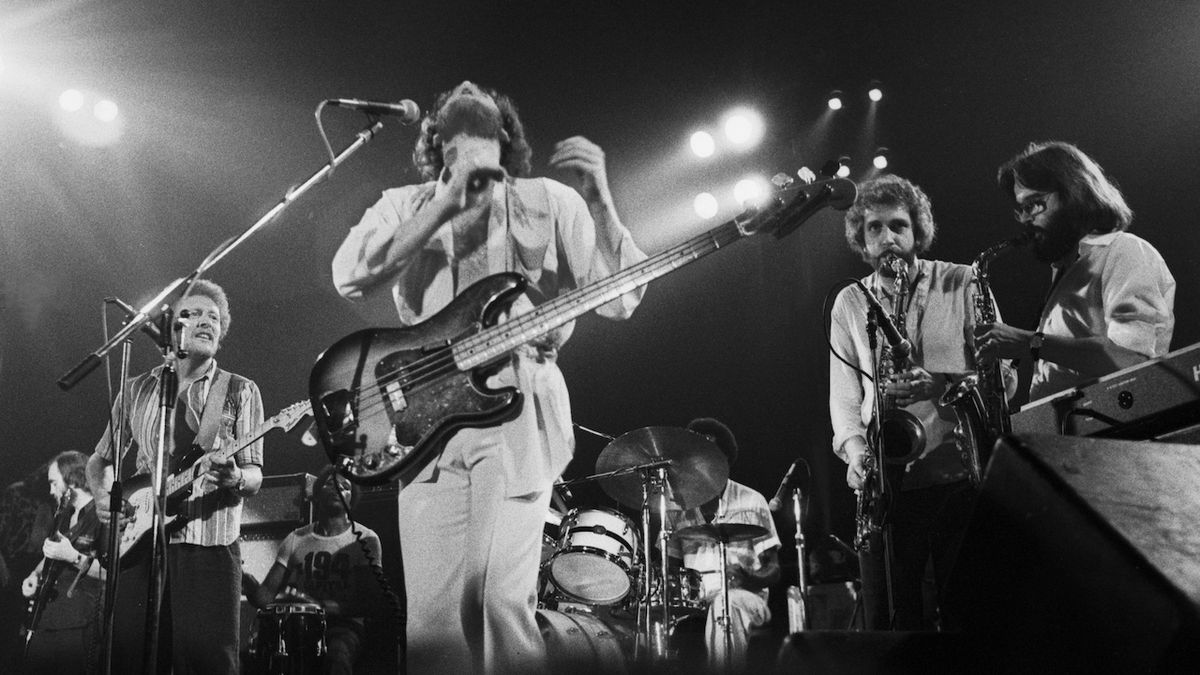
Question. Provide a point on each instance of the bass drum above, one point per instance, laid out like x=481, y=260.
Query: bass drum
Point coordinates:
x=582, y=644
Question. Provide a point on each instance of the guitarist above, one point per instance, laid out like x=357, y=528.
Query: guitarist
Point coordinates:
x=471, y=520
x=200, y=610
x=67, y=631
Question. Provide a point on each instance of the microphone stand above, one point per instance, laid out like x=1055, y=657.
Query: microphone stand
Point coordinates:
x=151, y=310
x=802, y=575
x=875, y=447
x=155, y=309
x=115, y=504
x=168, y=390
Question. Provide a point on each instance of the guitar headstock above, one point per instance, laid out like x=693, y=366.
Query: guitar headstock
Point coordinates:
x=790, y=202
x=289, y=417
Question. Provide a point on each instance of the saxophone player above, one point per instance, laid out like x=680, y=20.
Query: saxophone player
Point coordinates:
x=932, y=303
x=1112, y=298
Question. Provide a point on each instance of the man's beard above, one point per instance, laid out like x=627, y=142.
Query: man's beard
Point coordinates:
x=1053, y=242
x=467, y=115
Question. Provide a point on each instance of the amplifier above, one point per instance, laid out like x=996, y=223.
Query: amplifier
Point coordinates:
x=1158, y=399
x=280, y=501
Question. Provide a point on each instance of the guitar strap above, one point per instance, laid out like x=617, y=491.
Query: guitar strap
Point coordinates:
x=214, y=405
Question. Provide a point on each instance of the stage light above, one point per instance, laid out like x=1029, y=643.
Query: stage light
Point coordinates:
x=881, y=159
x=875, y=93
x=105, y=110
x=843, y=167
x=744, y=128
x=70, y=100
x=835, y=100
x=749, y=190
x=703, y=144
x=705, y=205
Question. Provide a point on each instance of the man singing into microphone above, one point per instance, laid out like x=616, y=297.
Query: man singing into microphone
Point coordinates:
x=471, y=520
x=892, y=218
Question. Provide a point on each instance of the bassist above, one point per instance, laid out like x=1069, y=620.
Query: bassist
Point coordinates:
x=198, y=628
x=471, y=520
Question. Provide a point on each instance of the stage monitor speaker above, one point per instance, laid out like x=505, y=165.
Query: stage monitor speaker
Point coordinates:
x=281, y=499
x=1091, y=548
x=883, y=653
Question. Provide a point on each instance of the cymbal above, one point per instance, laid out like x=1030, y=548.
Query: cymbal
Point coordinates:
x=697, y=473
x=718, y=532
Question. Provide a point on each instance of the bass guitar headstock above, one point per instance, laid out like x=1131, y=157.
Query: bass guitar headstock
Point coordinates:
x=792, y=201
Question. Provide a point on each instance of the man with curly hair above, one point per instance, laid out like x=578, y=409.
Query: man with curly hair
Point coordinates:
x=892, y=219
x=1112, y=302
x=471, y=520
x=214, y=408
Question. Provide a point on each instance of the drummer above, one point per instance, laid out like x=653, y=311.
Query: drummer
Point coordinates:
x=323, y=563
x=752, y=566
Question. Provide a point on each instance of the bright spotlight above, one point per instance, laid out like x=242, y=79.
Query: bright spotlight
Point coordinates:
x=875, y=93
x=703, y=144
x=105, y=110
x=705, y=205
x=70, y=100
x=749, y=190
x=881, y=159
x=843, y=167
x=744, y=127
x=835, y=100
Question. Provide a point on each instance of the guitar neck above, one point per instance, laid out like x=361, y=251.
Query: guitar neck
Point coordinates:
x=490, y=344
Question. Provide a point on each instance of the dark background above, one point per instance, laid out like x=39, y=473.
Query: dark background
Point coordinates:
x=218, y=99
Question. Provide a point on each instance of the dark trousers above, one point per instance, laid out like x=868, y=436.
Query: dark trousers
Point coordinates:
x=927, y=526
x=198, y=622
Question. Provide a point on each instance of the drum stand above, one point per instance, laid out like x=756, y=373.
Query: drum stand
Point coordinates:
x=653, y=639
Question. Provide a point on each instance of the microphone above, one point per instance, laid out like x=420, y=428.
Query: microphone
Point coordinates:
x=898, y=342
x=149, y=328
x=777, y=500
x=406, y=110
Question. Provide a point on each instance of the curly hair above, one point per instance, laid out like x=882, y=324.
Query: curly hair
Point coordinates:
x=212, y=291
x=721, y=435
x=890, y=191
x=515, y=152
x=1090, y=200
x=72, y=464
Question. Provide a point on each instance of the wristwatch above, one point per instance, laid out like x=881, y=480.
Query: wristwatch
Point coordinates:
x=1035, y=344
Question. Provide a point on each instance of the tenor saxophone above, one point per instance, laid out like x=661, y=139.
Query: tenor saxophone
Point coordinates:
x=899, y=436
x=979, y=401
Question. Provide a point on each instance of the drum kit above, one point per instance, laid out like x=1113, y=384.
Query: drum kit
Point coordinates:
x=601, y=564
x=289, y=637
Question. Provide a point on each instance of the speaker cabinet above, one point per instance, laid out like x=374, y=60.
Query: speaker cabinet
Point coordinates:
x=1091, y=548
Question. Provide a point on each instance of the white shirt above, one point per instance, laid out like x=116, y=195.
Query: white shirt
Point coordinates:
x=1119, y=288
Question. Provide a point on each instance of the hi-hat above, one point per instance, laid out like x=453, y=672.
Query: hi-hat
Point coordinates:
x=717, y=532
x=697, y=473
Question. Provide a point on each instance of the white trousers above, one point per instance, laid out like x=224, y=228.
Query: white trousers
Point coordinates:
x=471, y=564
x=746, y=611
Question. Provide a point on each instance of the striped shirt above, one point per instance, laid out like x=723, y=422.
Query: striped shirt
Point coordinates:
x=215, y=520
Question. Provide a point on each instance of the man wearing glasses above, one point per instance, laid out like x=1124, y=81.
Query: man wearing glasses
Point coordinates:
x=1112, y=298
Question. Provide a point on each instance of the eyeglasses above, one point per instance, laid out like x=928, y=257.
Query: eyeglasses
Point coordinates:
x=1031, y=208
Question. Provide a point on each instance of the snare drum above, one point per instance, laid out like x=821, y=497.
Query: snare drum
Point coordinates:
x=289, y=638
x=597, y=550
x=686, y=589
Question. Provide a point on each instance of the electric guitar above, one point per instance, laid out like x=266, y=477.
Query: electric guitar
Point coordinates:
x=385, y=400
x=181, y=485
x=51, y=569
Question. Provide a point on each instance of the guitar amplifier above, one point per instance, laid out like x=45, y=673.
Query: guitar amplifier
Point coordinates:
x=280, y=501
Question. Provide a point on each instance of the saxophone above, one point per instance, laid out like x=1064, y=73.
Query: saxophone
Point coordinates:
x=978, y=400
x=899, y=437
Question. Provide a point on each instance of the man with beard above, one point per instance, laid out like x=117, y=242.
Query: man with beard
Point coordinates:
x=214, y=409
x=328, y=563
x=1112, y=298
x=892, y=219
x=67, y=635
x=471, y=520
